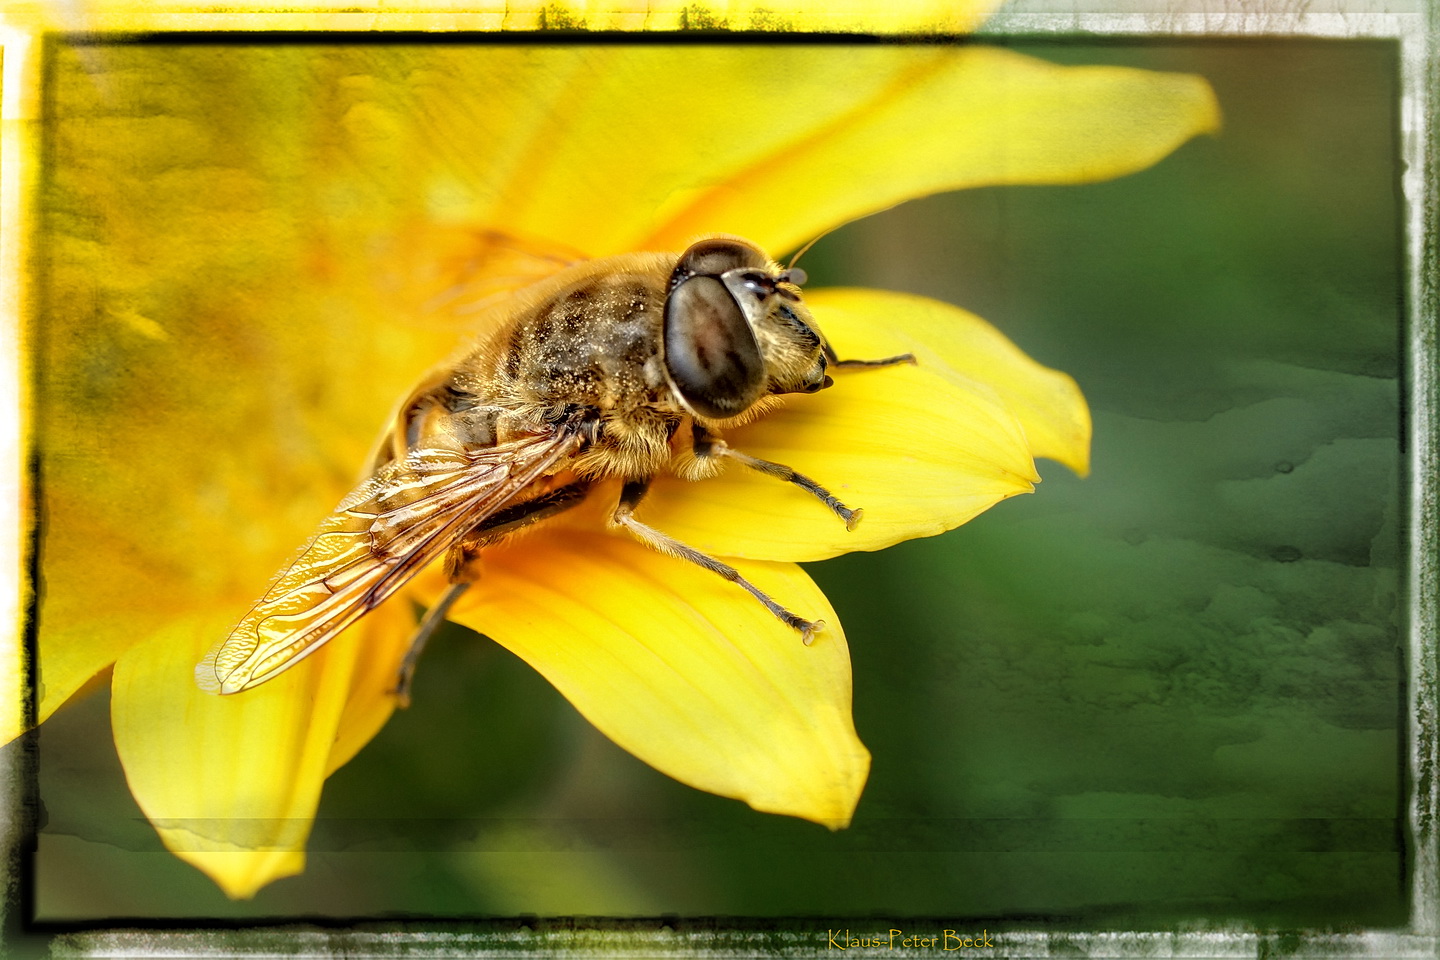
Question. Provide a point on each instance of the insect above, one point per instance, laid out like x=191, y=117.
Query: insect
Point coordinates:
x=588, y=375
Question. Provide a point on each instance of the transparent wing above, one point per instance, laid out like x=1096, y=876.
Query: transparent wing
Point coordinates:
x=385, y=532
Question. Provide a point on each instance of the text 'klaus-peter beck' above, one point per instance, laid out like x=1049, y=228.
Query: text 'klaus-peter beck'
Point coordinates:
x=897, y=940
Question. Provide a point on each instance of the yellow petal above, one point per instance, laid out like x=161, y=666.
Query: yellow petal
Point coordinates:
x=12, y=688
x=773, y=143
x=686, y=671
x=230, y=783
x=1048, y=403
x=628, y=137
x=943, y=119
x=920, y=449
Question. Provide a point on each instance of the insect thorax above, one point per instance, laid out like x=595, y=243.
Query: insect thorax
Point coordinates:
x=589, y=352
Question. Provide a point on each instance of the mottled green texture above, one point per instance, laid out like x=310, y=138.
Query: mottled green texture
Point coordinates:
x=1166, y=695
x=1182, y=673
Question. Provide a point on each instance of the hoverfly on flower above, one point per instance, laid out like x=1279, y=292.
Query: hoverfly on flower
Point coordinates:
x=590, y=375
x=264, y=265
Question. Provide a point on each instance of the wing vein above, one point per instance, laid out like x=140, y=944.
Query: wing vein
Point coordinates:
x=379, y=537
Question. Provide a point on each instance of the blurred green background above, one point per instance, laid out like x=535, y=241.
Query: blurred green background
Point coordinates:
x=1165, y=694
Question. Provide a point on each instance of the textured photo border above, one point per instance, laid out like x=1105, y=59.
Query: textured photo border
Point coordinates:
x=1415, y=26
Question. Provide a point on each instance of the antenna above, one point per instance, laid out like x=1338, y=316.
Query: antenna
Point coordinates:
x=806, y=249
x=790, y=267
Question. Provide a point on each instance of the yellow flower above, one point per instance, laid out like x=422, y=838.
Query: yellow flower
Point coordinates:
x=238, y=243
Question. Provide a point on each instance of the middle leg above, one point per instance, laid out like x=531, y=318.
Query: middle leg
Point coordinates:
x=624, y=516
x=462, y=566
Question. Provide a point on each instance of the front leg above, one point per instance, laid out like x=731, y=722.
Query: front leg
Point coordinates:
x=461, y=562
x=833, y=359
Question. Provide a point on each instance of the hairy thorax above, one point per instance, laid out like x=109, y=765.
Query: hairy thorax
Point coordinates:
x=586, y=348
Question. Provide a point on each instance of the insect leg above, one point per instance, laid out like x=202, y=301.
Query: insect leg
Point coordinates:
x=630, y=497
x=433, y=618
x=834, y=360
x=706, y=444
x=506, y=521
x=462, y=566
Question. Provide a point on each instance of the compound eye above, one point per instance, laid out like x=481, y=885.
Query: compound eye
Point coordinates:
x=710, y=258
x=711, y=353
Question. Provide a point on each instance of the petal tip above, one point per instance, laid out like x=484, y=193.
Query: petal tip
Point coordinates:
x=241, y=874
x=1211, y=117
